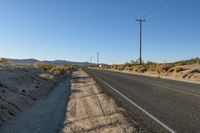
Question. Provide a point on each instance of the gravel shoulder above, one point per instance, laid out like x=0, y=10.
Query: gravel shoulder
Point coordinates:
x=91, y=110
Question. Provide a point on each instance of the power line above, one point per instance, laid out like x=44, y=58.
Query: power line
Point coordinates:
x=150, y=9
x=162, y=9
x=149, y=17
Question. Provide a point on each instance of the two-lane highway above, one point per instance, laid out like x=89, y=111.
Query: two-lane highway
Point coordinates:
x=162, y=105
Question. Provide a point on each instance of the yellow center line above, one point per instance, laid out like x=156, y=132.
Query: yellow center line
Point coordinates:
x=169, y=88
x=181, y=91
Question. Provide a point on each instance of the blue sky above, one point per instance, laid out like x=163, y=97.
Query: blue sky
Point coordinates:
x=75, y=30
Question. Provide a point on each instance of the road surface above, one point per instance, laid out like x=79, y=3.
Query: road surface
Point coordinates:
x=161, y=105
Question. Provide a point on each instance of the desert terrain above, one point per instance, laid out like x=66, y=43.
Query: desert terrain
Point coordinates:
x=41, y=98
x=188, y=71
x=23, y=86
x=66, y=98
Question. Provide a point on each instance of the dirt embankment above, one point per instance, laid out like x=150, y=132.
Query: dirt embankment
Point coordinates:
x=45, y=116
x=20, y=87
x=91, y=110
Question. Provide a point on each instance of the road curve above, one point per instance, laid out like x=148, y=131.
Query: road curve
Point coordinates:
x=161, y=105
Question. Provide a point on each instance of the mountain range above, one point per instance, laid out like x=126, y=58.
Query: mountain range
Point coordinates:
x=55, y=62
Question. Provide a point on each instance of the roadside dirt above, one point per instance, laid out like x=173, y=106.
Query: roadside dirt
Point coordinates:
x=21, y=87
x=186, y=73
x=45, y=116
x=91, y=110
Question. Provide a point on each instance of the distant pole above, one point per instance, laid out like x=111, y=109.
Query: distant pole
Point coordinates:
x=90, y=60
x=140, y=20
x=97, y=58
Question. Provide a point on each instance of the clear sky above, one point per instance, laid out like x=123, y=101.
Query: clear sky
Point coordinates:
x=77, y=29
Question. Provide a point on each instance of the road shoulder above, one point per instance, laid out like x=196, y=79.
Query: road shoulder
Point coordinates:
x=91, y=110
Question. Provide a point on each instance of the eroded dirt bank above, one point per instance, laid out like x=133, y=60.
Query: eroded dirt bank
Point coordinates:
x=45, y=116
x=91, y=110
x=21, y=87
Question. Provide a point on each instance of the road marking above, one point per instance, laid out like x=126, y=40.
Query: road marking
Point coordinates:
x=180, y=91
x=169, y=88
x=140, y=108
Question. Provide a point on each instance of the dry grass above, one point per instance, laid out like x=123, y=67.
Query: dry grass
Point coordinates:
x=60, y=70
x=46, y=76
x=193, y=74
x=43, y=66
x=178, y=69
x=4, y=61
x=56, y=70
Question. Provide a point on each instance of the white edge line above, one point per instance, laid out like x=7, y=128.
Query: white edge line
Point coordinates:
x=140, y=108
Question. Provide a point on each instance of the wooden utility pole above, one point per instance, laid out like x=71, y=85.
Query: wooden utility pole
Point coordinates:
x=140, y=20
x=97, y=58
x=90, y=60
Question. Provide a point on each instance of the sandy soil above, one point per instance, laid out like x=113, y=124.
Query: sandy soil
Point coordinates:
x=21, y=87
x=45, y=116
x=91, y=110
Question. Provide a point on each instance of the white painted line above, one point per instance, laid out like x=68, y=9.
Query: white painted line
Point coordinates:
x=140, y=108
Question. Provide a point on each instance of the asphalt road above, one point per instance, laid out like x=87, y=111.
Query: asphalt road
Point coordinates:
x=161, y=105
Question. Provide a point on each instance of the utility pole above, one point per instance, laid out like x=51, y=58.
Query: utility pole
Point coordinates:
x=97, y=59
x=140, y=20
x=90, y=60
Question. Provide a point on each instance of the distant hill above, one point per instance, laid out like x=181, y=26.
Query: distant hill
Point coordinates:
x=23, y=61
x=55, y=62
x=62, y=62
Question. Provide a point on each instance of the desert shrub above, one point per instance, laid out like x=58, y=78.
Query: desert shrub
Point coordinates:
x=107, y=67
x=128, y=68
x=161, y=68
x=71, y=66
x=188, y=62
x=150, y=66
x=114, y=66
x=181, y=63
x=121, y=67
x=5, y=61
x=139, y=68
x=170, y=69
x=194, y=71
x=150, y=62
x=128, y=64
x=46, y=76
x=178, y=69
x=136, y=62
x=68, y=65
x=191, y=73
x=60, y=70
x=43, y=66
